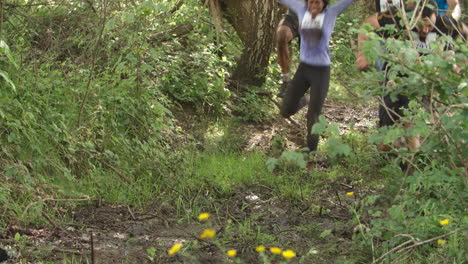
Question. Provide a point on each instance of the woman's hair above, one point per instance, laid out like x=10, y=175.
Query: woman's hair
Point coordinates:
x=325, y=3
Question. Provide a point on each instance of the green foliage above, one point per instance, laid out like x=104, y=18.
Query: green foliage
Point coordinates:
x=334, y=146
x=188, y=69
x=250, y=107
x=224, y=173
x=151, y=253
x=288, y=159
x=341, y=43
x=87, y=100
x=5, y=51
x=436, y=189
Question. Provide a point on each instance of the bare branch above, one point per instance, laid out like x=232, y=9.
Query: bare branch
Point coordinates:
x=175, y=32
x=401, y=247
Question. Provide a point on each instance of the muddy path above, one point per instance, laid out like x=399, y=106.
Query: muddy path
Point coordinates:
x=110, y=233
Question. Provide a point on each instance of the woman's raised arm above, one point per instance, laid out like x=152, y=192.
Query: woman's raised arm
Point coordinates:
x=297, y=6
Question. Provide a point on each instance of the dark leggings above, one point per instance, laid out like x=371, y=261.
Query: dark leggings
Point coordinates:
x=318, y=79
x=393, y=110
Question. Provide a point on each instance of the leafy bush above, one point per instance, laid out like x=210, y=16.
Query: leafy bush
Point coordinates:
x=433, y=187
x=87, y=112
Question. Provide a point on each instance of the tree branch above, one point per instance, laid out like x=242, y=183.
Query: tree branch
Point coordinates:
x=175, y=32
x=93, y=64
x=432, y=239
x=1, y=18
x=400, y=248
x=177, y=6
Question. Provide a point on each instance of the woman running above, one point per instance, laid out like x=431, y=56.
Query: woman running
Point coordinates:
x=316, y=23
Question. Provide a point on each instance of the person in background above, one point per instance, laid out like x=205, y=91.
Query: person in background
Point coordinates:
x=443, y=6
x=429, y=28
x=449, y=6
x=316, y=24
x=382, y=5
x=287, y=30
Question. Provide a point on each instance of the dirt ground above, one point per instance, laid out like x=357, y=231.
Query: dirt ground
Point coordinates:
x=341, y=112
x=119, y=234
x=112, y=233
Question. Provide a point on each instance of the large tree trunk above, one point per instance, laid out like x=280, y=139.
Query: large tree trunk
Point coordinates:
x=255, y=22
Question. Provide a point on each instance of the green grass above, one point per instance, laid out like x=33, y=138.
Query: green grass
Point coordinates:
x=232, y=169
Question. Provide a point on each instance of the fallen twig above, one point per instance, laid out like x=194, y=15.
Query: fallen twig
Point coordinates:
x=432, y=239
x=393, y=250
x=131, y=213
x=51, y=221
x=68, y=200
x=401, y=247
x=69, y=251
x=123, y=176
x=92, y=247
x=338, y=196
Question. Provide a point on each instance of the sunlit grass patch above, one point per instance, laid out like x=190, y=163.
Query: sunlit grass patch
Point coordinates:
x=231, y=169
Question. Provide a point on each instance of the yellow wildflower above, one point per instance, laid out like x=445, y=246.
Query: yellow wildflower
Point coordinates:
x=260, y=249
x=208, y=233
x=276, y=250
x=444, y=222
x=289, y=254
x=174, y=249
x=441, y=241
x=203, y=216
x=350, y=193
x=231, y=253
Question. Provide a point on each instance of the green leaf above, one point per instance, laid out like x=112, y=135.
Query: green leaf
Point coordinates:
x=6, y=50
x=110, y=25
x=271, y=164
x=325, y=233
x=336, y=148
x=377, y=213
x=5, y=77
x=319, y=127
x=334, y=129
x=294, y=157
x=367, y=27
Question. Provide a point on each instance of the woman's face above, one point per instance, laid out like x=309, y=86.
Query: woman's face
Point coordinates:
x=315, y=7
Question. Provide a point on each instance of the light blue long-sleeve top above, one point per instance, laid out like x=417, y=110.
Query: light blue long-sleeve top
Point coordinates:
x=316, y=33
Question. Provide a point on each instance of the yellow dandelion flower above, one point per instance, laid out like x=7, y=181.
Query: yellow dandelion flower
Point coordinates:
x=276, y=250
x=231, y=253
x=208, y=233
x=289, y=254
x=444, y=222
x=441, y=241
x=203, y=216
x=350, y=193
x=260, y=249
x=174, y=249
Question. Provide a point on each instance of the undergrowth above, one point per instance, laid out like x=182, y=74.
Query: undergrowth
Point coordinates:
x=92, y=109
